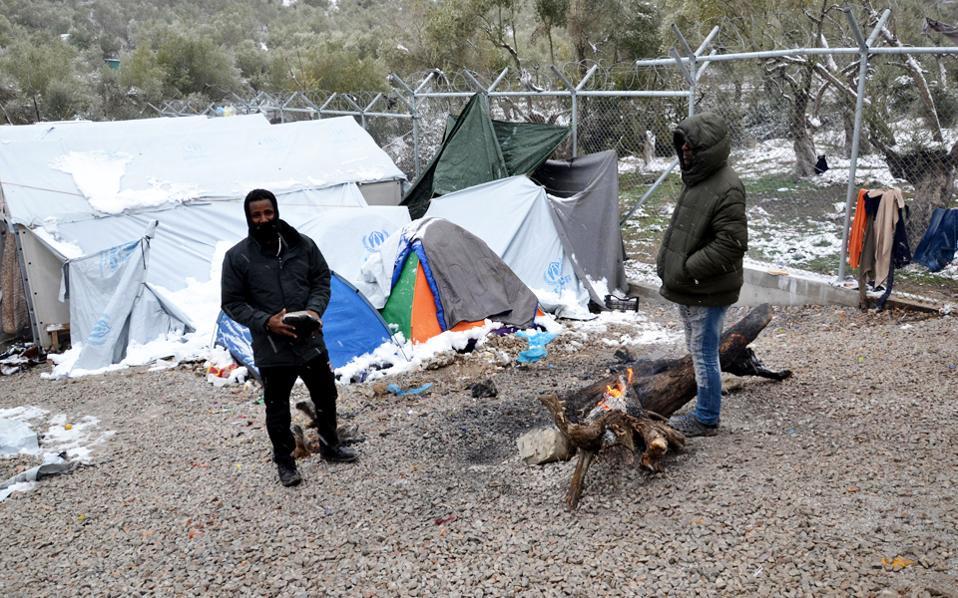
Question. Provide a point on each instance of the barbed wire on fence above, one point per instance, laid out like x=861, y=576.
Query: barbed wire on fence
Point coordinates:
x=633, y=109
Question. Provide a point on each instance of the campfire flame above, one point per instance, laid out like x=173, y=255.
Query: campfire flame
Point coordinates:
x=615, y=392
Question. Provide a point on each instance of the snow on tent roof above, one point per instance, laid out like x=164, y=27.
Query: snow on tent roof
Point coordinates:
x=66, y=129
x=187, y=235
x=76, y=171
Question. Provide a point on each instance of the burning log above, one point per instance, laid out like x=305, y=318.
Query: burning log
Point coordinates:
x=630, y=408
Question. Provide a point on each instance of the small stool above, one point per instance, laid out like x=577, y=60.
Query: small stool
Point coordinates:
x=54, y=330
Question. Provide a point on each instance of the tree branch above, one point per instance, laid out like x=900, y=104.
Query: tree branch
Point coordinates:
x=841, y=85
x=914, y=68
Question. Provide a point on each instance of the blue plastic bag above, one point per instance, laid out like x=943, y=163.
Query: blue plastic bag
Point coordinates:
x=399, y=392
x=537, y=345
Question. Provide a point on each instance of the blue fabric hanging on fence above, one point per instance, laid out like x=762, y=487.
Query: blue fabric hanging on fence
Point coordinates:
x=937, y=247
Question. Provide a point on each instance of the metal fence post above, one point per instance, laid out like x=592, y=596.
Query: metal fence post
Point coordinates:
x=575, y=123
x=413, y=105
x=864, y=46
x=479, y=87
x=415, y=117
x=415, y=134
x=327, y=103
x=283, y=106
x=362, y=111
x=575, y=106
x=690, y=70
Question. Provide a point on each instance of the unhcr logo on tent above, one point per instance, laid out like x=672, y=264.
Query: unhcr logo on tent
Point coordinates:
x=112, y=259
x=373, y=240
x=554, y=277
x=99, y=332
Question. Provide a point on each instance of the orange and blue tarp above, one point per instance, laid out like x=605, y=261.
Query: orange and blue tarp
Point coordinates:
x=414, y=306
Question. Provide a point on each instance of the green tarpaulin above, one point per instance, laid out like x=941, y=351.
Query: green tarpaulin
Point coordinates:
x=477, y=149
x=398, y=308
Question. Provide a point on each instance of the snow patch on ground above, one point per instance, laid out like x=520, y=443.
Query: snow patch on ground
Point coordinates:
x=634, y=164
x=784, y=244
x=638, y=329
x=404, y=356
x=64, y=439
x=641, y=272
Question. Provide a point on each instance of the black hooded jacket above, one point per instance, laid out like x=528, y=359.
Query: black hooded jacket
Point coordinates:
x=259, y=282
x=700, y=260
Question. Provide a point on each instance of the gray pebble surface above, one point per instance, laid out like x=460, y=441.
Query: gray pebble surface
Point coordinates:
x=813, y=487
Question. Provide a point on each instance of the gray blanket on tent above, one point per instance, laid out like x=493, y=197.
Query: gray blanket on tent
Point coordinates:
x=474, y=283
x=584, y=195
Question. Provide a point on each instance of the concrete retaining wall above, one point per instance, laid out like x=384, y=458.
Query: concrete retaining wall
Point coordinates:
x=780, y=287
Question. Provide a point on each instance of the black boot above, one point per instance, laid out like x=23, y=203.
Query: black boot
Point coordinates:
x=288, y=474
x=338, y=454
x=330, y=448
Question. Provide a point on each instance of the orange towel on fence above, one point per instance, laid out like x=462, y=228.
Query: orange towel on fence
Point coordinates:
x=858, y=231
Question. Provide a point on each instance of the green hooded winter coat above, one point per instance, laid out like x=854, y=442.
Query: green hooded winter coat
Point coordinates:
x=700, y=260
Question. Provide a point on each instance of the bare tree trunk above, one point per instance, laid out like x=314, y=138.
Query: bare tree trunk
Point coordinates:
x=932, y=172
x=802, y=141
x=848, y=122
x=921, y=85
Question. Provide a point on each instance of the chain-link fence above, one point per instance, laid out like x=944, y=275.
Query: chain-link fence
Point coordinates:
x=791, y=115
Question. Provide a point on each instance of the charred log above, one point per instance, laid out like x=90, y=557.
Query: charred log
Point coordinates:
x=665, y=385
x=657, y=388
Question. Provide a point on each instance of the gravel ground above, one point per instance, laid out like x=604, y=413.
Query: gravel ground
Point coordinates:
x=809, y=486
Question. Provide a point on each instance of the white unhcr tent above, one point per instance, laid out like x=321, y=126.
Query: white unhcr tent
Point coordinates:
x=566, y=249
x=69, y=190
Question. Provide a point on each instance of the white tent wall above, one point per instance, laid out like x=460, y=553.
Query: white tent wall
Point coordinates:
x=113, y=308
x=185, y=245
x=75, y=188
x=187, y=235
x=386, y=193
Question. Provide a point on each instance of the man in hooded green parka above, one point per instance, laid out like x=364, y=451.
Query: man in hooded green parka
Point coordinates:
x=700, y=260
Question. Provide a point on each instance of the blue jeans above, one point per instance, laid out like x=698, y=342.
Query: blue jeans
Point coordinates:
x=703, y=329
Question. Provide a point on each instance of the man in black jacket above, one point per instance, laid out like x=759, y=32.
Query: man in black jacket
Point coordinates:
x=700, y=260
x=276, y=270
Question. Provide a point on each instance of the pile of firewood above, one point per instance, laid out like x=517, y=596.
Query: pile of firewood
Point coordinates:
x=630, y=407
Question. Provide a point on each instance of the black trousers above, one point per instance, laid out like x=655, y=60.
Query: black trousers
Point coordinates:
x=278, y=383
